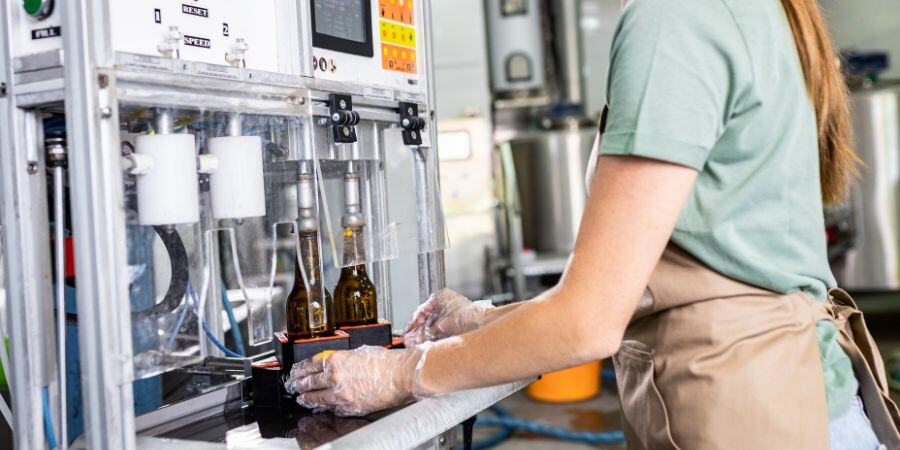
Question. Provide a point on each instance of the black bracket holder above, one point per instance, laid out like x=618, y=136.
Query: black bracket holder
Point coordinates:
x=411, y=123
x=343, y=118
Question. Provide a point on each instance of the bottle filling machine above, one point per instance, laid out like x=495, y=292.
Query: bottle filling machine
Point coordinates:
x=159, y=162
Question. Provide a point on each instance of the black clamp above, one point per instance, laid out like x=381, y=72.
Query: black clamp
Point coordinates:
x=343, y=118
x=411, y=123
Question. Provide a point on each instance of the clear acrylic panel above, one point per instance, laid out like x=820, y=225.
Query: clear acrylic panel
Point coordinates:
x=212, y=214
x=371, y=190
x=433, y=235
x=163, y=258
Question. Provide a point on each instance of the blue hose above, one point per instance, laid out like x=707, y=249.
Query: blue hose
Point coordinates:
x=608, y=374
x=209, y=333
x=509, y=424
x=218, y=344
x=184, y=310
x=48, y=418
x=235, y=330
x=502, y=434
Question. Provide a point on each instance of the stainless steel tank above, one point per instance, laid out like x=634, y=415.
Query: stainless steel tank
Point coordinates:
x=873, y=263
x=550, y=167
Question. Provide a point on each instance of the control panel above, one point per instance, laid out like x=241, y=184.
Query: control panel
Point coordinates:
x=224, y=32
x=377, y=43
x=260, y=35
x=36, y=25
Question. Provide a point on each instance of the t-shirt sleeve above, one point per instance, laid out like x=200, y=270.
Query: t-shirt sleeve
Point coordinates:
x=672, y=80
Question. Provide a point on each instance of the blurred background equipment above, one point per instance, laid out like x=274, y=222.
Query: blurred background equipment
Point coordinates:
x=539, y=96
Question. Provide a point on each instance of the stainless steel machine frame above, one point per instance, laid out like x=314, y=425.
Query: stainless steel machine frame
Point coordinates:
x=90, y=87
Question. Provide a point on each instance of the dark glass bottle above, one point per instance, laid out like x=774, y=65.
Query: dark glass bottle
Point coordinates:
x=356, y=302
x=317, y=297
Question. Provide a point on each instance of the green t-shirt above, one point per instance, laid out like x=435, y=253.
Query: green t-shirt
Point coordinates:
x=716, y=85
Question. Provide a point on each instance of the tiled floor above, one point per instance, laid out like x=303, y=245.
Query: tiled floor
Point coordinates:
x=602, y=413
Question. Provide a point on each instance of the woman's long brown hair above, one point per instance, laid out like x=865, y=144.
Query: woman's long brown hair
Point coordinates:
x=838, y=162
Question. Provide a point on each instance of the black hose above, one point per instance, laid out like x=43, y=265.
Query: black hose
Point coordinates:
x=177, y=285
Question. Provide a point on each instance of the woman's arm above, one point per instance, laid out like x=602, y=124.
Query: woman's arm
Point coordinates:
x=633, y=207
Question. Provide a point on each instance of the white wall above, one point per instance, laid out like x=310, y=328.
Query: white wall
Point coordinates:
x=460, y=59
x=866, y=25
x=464, y=105
x=598, y=24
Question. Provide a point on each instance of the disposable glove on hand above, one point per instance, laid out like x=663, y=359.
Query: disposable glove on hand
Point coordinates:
x=445, y=314
x=357, y=382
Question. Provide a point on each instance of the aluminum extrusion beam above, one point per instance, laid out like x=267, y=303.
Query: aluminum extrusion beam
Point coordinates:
x=99, y=226
x=27, y=261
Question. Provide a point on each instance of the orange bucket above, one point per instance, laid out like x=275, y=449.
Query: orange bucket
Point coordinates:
x=570, y=385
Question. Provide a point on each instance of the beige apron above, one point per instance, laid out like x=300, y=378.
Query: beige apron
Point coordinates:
x=712, y=363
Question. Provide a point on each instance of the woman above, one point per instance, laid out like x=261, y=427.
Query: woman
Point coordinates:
x=701, y=263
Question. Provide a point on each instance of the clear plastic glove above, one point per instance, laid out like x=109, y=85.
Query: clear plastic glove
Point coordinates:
x=357, y=382
x=445, y=314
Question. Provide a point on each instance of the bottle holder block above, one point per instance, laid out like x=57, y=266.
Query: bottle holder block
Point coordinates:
x=376, y=334
x=268, y=387
x=289, y=353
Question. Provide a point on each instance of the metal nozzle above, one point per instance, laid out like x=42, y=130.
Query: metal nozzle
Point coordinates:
x=352, y=212
x=164, y=121
x=306, y=202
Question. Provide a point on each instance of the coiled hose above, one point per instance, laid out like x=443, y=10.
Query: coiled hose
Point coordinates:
x=508, y=424
x=178, y=259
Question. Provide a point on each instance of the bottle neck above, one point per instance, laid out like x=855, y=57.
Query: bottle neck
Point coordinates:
x=356, y=270
x=308, y=259
x=354, y=246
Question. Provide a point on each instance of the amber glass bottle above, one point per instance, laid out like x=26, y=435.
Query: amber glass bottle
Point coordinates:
x=356, y=302
x=301, y=301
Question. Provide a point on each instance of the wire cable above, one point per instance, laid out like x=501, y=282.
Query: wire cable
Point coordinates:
x=177, y=328
x=235, y=329
x=221, y=346
x=4, y=365
x=209, y=333
x=48, y=418
x=7, y=413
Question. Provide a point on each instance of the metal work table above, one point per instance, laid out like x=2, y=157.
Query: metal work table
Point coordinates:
x=405, y=427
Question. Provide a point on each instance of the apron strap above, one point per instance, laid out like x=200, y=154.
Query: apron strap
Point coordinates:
x=603, y=116
x=857, y=342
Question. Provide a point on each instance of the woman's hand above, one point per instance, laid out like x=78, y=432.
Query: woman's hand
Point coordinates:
x=445, y=314
x=356, y=382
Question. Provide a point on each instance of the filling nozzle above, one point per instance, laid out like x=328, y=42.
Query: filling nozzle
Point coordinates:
x=352, y=212
x=235, y=126
x=306, y=201
x=164, y=123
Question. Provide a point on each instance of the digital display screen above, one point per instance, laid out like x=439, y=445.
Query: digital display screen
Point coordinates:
x=343, y=19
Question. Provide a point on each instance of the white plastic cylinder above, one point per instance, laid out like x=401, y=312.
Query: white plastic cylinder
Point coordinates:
x=236, y=187
x=168, y=193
